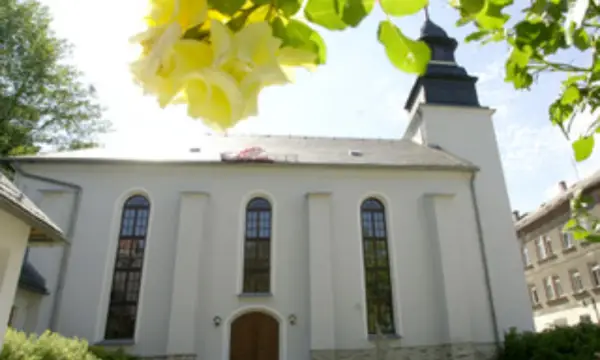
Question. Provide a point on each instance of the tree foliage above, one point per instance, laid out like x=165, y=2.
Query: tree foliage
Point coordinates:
x=236, y=55
x=43, y=101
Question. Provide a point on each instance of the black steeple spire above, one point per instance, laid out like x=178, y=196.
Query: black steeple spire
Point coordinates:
x=444, y=82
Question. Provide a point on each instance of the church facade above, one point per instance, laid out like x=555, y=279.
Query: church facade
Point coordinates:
x=291, y=248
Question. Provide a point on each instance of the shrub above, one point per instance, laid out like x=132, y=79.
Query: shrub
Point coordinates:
x=581, y=342
x=52, y=346
x=106, y=354
x=48, y=346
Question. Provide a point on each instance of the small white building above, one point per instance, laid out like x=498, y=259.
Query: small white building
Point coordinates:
x=21, y=224
x=292, y=248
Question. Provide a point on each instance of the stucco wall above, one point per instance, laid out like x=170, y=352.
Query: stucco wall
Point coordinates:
x=468, y=132
x=437, y=271
x=27, y=305
x=13, y=240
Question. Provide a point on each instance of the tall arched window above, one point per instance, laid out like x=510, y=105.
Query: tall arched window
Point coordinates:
x=125, y=291
x=257, y=247
x=378, y=285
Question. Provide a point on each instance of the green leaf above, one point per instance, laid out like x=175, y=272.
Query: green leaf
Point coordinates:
x=405, y=54
x=579, y=232
x=559, y=112
x=471, y=7
x=288, y=7
x=571, y=96
x=354, y=11
x=583, y=147
x=298, y=35
x=491, y=17
x=228, y=7
x=570, y=224
x=593, y=238
x=477, y=35
x=402, y=7
x=581, y=39
x=324, y=13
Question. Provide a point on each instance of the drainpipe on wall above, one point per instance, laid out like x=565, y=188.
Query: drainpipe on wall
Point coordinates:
x=69, y=234
x=486, y=270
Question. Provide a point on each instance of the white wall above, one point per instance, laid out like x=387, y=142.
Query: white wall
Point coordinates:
x=468, y=132
x=14, y=235
x=217, y=195
x=27, y=306
x=571, y=316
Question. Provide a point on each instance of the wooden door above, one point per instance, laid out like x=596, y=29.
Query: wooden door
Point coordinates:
x=254, y=336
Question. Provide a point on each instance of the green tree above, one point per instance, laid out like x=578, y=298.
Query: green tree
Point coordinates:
x=540, y=42
x=43, y=101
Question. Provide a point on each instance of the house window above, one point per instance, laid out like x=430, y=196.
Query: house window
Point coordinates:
x=576, y=282
x=558, y=290
x=544, y=247
x=127, y=276
x=586, y=319
x=549, y=288
x=595, y=269
x=535, y=299
x=567, y=240
x=378, y=285
x=526, y=257
x=257, y=247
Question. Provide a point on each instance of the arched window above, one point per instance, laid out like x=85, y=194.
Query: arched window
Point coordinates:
x=125, y=291
x=257, y=247
x=378, y=285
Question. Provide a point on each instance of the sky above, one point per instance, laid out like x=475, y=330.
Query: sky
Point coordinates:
x=356, y=94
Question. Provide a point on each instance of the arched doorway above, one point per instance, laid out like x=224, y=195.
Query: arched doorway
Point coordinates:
x=254, y=336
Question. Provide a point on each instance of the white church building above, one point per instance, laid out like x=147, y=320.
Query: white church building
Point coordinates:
x=291, y=248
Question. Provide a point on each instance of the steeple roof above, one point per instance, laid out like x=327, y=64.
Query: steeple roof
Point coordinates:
x=444, y=82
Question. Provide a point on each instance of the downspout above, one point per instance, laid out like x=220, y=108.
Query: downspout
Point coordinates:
x=69, y=234
x=486, y=270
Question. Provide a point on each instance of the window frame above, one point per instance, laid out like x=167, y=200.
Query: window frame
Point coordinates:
x=549, y=285
x=375, y=246
x=576, y=278
x=595, y=274
x=533, y=294
x=558, y=289
x=131, y=247
x=526, y=257
x=257, y=208
x=569, y=243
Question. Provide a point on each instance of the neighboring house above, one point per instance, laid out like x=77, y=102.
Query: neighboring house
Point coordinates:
x=563, y=275
x=30, y=292
x=292, y=248
x=21, y=224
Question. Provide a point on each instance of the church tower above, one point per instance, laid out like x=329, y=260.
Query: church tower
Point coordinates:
x=445, y=112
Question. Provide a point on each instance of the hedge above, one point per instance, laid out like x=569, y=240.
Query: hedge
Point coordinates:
x=53, y=346
x=580, y=342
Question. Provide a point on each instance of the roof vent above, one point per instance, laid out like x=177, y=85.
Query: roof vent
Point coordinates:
x=355, y=153
x=195, y=150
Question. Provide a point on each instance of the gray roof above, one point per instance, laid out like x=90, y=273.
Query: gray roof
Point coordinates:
x=282, y=149
x=561, y=200
x=15, y=202
x=31, y=280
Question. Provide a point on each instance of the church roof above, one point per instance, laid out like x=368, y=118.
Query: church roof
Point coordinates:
x=15, y=202
x=281, y=149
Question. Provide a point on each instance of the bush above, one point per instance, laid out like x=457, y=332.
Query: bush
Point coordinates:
x=48, y=346
x=105, y=354
x=581, y=342
x=52, y=346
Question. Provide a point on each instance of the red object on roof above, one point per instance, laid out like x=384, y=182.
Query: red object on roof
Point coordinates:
x=251, y=154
